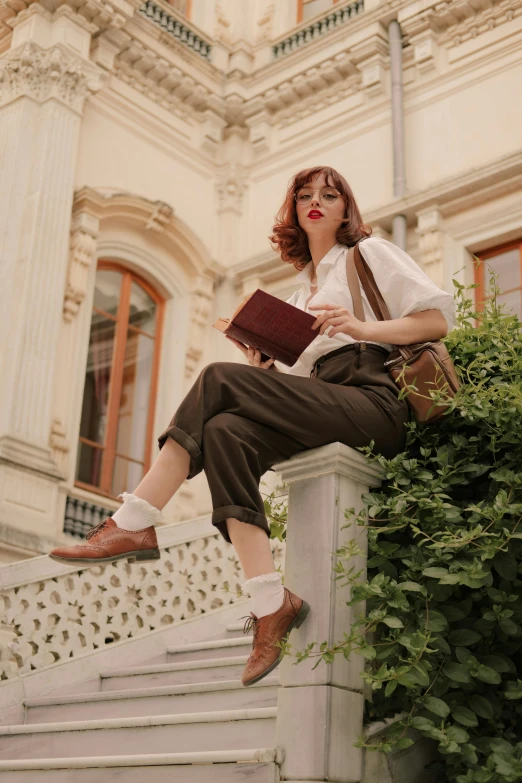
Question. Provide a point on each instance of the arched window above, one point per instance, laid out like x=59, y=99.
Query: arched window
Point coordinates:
x=306, y=9
x=119, y=395
x=506, y=262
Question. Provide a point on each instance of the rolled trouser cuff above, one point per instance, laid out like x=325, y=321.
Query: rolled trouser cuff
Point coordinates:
x=248, y=515
x=188, y=443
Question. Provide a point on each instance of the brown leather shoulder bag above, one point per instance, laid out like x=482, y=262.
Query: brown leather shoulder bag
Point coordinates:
x=424, y=365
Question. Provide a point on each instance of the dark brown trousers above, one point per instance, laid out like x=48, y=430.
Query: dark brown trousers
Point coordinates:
x=237, y=421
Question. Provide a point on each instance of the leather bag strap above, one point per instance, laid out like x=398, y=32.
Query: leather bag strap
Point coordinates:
x=377, y=303
x=353, y=283
x=365, y=277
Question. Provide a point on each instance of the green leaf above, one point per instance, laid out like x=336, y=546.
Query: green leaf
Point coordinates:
x=403, y=743
x=481, y=707
x=434, y=572
x=463, y=637
x=457, y=672
x=505, y=564
x=422, y=724
x=514, y=690
x=390, y=687
x=436, y=621
x=465, y=716
x=508, y=626
x=457, y=734
x=452, y=613
x=437, y=706
x=392, y=622
x=413, y=587
x=485, y=674
x=498, y=663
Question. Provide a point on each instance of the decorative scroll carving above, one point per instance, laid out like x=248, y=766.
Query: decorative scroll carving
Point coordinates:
x=160, y=217
x=222, y=30
x=62, y=615
x=83, y=253
x=264, y=25
x=230, y=188
x=47, y=73
x=201, y=303
x=431, y=243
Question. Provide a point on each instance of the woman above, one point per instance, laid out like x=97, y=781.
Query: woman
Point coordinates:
x=240, y=419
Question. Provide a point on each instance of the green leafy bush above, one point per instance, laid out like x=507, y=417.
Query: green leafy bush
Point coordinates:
x=442, y=630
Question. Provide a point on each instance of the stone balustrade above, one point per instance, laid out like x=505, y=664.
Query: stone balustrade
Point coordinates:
x=172, y=25
x=51, y=612
x=315, y=29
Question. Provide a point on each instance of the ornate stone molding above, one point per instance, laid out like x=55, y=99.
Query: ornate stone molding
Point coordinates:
x=430, y=225
x=265, y=24
x=223, y=26
x=82, y=255
x=230, y=187
x=42, y=74
x=452, y=23
x=202, y=295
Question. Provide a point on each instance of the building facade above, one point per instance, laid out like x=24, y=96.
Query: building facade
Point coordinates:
x=145, y=148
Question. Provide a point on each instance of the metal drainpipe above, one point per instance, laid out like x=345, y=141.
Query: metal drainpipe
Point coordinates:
x=399, y=177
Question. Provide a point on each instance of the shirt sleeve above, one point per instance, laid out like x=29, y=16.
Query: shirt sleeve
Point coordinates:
x=403, y=285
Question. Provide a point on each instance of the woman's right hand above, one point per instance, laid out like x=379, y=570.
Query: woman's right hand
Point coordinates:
x=253, y=356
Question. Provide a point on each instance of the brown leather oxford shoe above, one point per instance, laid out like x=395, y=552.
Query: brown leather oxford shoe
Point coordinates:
x=269, y=629
x=108, y=542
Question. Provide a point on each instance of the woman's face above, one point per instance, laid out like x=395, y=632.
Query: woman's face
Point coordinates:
x=331, y=210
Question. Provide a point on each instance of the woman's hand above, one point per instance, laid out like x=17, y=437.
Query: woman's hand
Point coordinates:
x=253, y=356
x=341, y=321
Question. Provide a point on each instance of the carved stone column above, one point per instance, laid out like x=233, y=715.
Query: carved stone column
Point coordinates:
x=44, y=80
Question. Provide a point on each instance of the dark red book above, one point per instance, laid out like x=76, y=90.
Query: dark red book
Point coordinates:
x=276, y=328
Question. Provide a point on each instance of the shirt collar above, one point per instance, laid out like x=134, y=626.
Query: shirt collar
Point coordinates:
x=327, y=261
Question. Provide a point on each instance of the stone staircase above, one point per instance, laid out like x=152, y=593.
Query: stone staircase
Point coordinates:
x=122, y=670
x=183, y=716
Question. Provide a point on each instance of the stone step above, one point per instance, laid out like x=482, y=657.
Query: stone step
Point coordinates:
x=166, y=700
x=216, y=648
x=210, y=670
x=187, y=732
x=235, y=629
x=225, y=766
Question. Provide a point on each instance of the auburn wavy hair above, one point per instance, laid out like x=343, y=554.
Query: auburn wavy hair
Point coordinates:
x=288, y=236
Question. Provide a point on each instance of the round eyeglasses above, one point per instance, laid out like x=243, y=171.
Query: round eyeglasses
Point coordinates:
x=326, y=196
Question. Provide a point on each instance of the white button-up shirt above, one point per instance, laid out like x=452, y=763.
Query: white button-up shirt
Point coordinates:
x=404, y=287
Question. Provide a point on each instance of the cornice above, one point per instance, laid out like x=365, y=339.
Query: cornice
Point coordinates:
x=456, y=193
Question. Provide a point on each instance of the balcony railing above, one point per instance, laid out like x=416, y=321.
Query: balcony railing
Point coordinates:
x=179, y=31
x=80, y=515
x=316, y=29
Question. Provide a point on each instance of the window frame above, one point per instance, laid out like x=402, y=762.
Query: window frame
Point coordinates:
x=480, y=276
x=300, y=8
x=187, y=15
x=116, y=376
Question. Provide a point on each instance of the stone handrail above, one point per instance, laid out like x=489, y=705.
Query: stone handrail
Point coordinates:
x=51, y=612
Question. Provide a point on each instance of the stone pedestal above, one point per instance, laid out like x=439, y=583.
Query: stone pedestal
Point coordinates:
x=320, y=710
x=44, y=79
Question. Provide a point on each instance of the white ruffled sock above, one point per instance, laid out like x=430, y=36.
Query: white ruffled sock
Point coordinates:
x=136, y=513
x=267, y=593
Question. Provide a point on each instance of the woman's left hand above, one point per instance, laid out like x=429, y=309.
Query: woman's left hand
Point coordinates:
x=341, y=321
